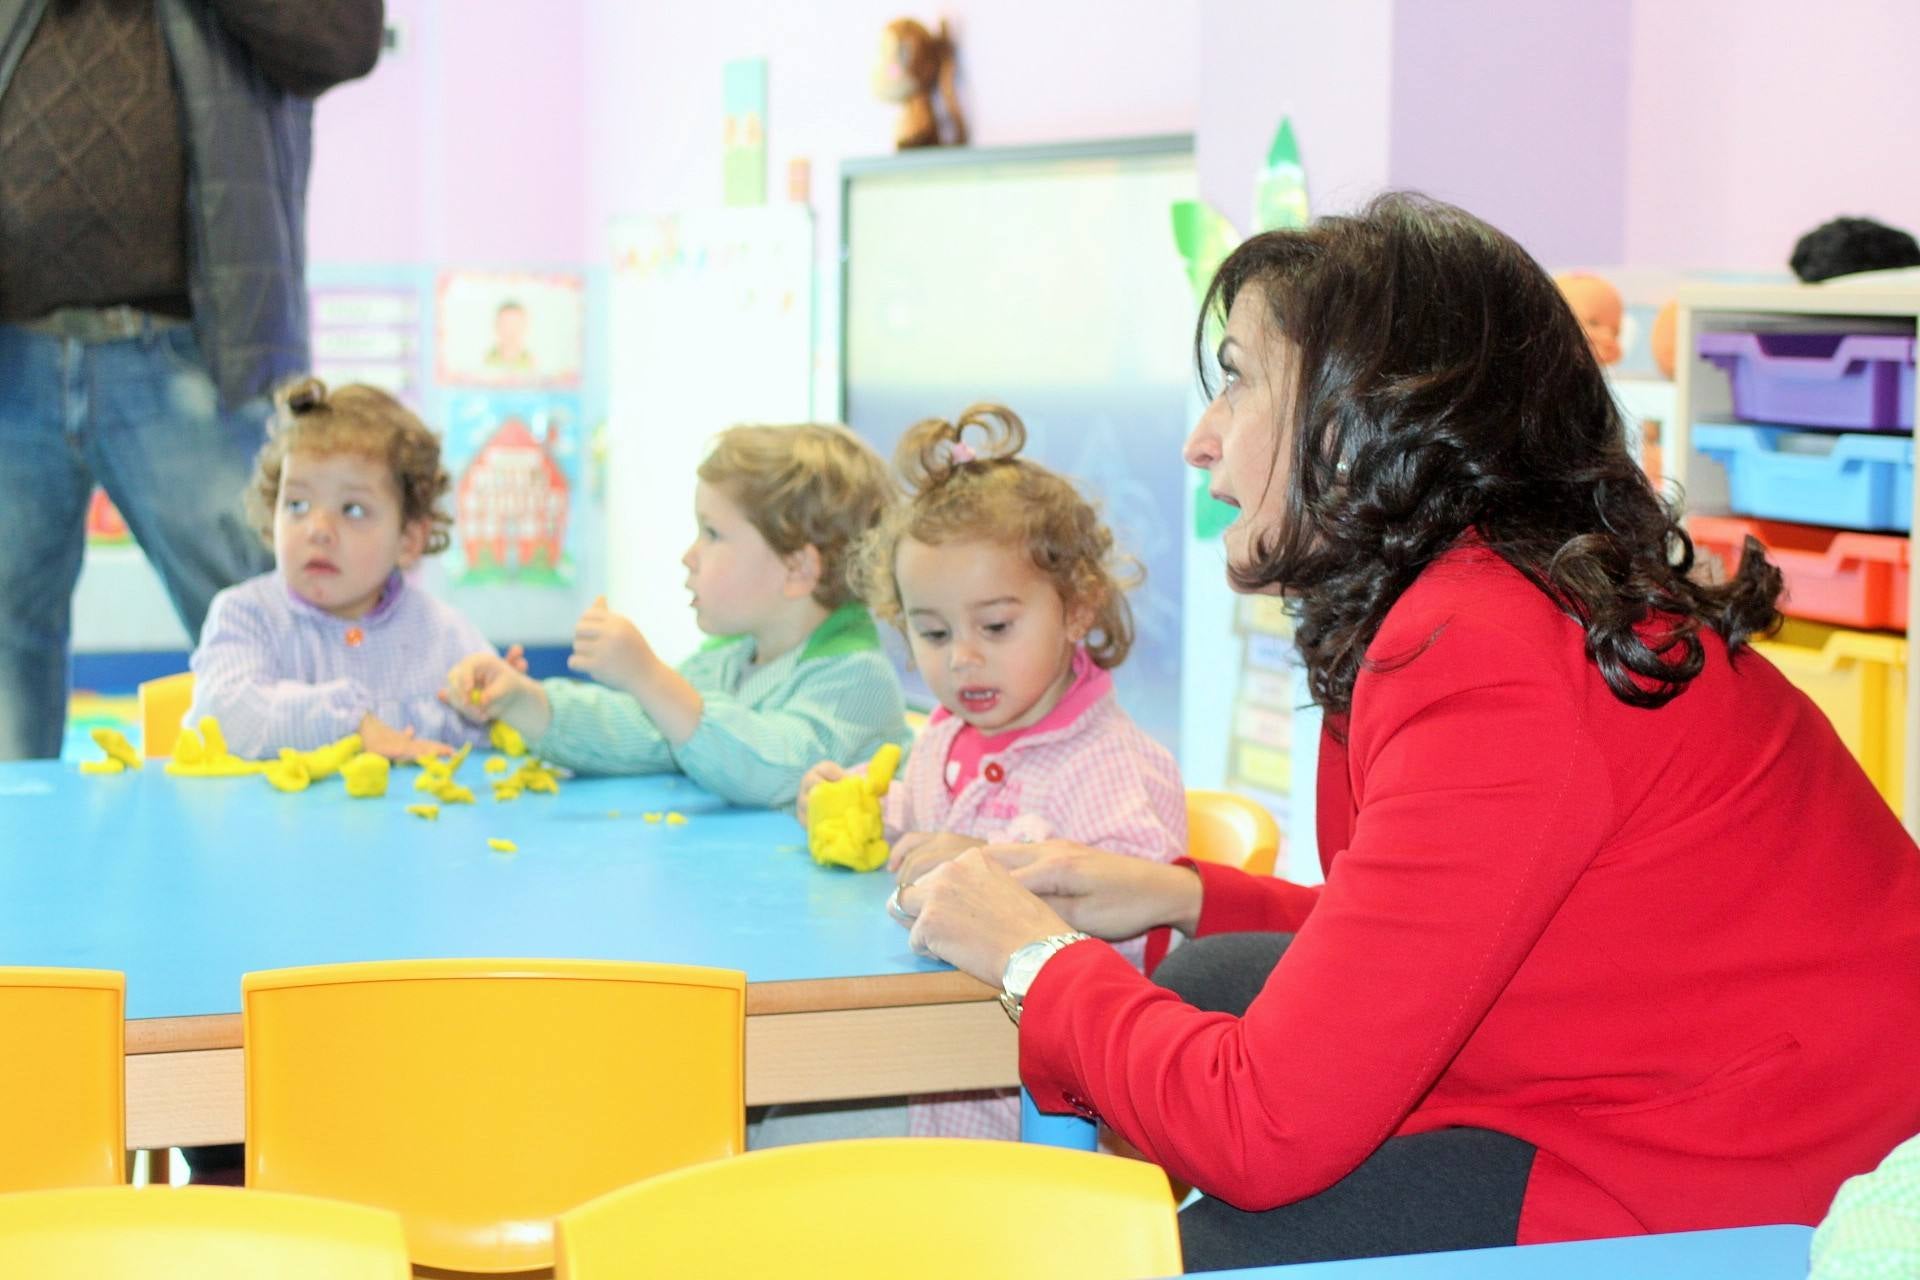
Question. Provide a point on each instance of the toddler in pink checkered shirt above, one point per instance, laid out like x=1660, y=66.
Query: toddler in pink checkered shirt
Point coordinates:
x=1006, y=584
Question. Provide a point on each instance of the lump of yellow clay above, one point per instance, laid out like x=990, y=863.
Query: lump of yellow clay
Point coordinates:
x=454, y=793
x=502, y=846
x=844, y=823
x=676, y=819
x=289, y=773
x=506, y=790
x=324, y=762
x=653, y=817
x=496, y=764
x=115, y=744
x=430, y=812
x=109, y=765
x=202, y=753
x=366, y=775
x=189, y=748
x=506, y=739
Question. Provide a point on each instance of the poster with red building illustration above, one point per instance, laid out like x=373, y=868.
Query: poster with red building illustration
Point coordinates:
x=515, y=461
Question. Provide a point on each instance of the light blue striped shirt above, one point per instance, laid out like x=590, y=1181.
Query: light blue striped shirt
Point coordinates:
x=279, y=672
x=761, y=728
x=1872, y=1232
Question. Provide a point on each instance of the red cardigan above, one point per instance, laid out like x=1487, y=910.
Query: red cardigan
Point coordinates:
x=1676, y=950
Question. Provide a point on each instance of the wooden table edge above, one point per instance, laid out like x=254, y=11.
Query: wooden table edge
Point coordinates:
x=814, y=995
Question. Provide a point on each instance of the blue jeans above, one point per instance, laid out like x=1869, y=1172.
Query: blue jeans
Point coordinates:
x=138, y=416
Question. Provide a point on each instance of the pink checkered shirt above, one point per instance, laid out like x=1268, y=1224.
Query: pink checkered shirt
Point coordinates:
x=1086, y=773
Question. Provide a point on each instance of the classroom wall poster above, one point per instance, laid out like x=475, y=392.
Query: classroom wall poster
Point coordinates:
x=369, y=333
x=510, y=329
x=515, y=458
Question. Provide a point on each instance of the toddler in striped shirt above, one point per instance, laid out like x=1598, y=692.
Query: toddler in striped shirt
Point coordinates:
x=794, y=673
x=1005, y=581
x=335, y=640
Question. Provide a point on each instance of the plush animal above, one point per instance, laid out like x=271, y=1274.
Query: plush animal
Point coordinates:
x=913, y=63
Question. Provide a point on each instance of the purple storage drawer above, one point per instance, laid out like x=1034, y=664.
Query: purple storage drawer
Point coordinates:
x=1856, y=381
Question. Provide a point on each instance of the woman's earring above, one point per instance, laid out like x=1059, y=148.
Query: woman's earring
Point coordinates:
x=1342, y=469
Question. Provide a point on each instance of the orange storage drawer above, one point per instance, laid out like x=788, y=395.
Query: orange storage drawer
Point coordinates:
x=1853, y=579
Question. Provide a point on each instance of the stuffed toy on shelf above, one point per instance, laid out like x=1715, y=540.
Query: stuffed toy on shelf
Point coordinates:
x=913, y=63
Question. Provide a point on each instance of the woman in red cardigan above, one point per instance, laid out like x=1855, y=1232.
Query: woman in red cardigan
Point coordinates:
x=1615, y=935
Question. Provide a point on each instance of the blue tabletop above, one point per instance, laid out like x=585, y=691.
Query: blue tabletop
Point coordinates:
x=187, y=883
x=1743, y=1253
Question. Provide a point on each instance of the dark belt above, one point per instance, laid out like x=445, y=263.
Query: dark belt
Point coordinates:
x=101, y=324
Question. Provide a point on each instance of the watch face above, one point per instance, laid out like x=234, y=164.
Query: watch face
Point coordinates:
x=1024, y=964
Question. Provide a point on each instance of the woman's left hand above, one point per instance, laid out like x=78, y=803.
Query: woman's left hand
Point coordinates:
x=970, y=913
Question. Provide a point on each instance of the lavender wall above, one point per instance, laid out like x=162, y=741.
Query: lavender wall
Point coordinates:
x=1064, y=71
x=1752, y=121
x=466, y=146
x=1700, y=135
x=1518, y=112
x=1328, y=66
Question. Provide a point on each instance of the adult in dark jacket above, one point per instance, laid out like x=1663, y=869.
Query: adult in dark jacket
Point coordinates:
x=153, y=174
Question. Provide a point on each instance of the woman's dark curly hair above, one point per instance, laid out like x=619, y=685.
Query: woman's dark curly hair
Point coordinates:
x=1440, y=385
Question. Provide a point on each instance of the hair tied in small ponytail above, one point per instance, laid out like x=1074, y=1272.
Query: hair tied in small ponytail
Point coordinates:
x=307, y=395
x=961, y=453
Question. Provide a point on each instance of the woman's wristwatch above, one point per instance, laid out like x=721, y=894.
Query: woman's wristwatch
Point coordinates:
x=1023, y=966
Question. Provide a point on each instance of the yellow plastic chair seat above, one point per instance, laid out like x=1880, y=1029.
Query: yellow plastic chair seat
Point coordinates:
x=1228, y=828
x=482, y=1098
x=195, y=1233
x=62, y=1079
x=163, y=705
x=929, y=1208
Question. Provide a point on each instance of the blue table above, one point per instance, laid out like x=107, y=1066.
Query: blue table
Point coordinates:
x=1745, y=1253
x=185, y=884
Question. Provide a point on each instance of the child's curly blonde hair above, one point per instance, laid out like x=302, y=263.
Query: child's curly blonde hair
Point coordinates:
x=961, y=492
x=814, y=484
x=353, y=419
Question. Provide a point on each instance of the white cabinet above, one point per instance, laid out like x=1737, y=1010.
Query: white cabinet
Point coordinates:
x=1701, y=394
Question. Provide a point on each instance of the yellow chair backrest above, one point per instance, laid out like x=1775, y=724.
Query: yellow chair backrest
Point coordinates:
x=1229, y=828
x=929, y=1208
x=62, y=1079
x=190, y=1233
x=482, y=1098
x=163, y=705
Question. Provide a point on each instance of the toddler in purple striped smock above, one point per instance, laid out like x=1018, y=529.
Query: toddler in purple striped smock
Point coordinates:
x=336, y=640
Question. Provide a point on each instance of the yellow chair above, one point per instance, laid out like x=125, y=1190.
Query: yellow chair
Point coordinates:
x=929, y=1208
x=189, y=1233
x=1228, y=828
x=163, y=705
x=62, y=1079
x=482, y=1098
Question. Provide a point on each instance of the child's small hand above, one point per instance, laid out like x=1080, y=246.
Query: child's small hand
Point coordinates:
x=918, y=852
x=382, y=739
x=608, y=647
x=482, y=687
x=825, y=771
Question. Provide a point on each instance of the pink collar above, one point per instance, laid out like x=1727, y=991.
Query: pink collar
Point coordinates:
x=1090, y=684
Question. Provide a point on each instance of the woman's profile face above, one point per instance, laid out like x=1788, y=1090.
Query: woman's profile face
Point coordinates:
x=1237, y=440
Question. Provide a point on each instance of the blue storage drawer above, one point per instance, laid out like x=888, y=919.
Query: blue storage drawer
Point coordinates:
x=1854, y=481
